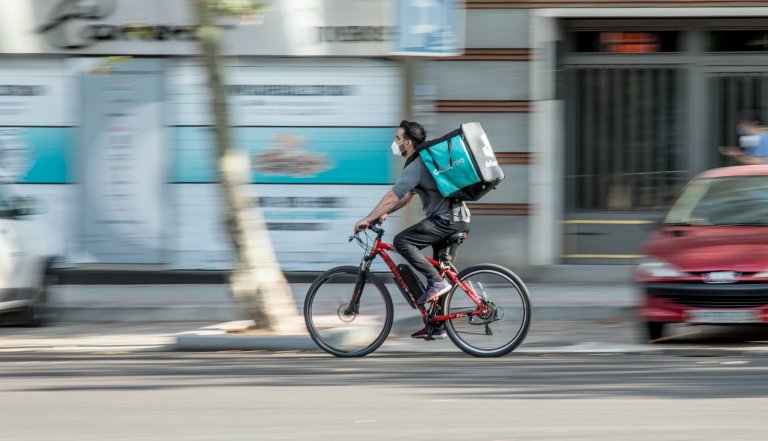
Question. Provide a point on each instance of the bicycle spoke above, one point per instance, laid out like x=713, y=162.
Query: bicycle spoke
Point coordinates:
x=503, y=325
x=342, y=329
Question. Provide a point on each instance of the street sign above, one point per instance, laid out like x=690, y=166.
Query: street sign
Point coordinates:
x=430, y=27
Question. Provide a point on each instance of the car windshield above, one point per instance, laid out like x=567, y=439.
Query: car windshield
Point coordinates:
x=735, y=200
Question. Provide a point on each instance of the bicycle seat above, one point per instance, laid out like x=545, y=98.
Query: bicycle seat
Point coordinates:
x=456, y=238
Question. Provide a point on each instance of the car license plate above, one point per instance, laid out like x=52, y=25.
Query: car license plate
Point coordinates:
x=723, y=316
x=720, y=277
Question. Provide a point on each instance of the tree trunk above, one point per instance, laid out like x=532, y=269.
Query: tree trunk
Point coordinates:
x=256, y=280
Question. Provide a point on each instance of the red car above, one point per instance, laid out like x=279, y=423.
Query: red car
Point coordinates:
x=707, y=262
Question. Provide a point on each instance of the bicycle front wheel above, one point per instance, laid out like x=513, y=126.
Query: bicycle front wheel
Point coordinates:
x=505, y=325
x=340, y=328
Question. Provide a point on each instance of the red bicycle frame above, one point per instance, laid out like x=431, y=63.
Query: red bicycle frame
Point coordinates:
x=380, y=248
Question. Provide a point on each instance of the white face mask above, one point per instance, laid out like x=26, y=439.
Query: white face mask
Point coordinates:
x=396, y=149
x=749, y=141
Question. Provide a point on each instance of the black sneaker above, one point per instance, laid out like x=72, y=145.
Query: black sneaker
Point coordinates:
x=436, y=333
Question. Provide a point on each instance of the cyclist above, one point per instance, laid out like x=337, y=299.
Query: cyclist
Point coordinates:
x=444, y=217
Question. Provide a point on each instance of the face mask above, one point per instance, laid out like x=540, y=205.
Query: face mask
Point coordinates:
x=396, y=149
x=749, y=141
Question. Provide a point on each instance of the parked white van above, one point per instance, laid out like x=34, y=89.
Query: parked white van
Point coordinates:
x=25, y=262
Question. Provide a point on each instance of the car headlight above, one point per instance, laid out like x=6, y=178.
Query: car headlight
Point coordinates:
x=658, y=268
x=761, y=274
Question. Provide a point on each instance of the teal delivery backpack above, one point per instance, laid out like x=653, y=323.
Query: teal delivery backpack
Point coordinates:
x=462, y=163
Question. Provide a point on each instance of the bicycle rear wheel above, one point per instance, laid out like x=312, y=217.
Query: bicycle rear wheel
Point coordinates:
x=339, y=329
x=504, y=327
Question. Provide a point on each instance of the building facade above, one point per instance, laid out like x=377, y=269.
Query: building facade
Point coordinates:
x=598, y=112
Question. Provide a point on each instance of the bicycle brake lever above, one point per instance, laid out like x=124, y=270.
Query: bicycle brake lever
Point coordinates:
x=351, y=238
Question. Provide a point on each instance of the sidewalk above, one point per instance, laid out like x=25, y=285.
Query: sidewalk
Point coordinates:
x=142, y=303
x=603, y=337
x=212, y=302
x=567, y=318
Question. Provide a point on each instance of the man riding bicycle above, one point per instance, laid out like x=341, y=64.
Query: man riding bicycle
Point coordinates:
x=444, y=217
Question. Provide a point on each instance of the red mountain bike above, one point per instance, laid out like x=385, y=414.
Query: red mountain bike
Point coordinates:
x=348, y=310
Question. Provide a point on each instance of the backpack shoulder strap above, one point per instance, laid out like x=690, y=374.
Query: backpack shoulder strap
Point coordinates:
x=410, y=159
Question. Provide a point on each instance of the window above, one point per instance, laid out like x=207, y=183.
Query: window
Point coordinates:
x=623, y=151
x=738, y=200
x=738, y=41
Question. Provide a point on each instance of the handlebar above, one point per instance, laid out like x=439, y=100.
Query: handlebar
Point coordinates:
x=373, y=227
x=377, y=230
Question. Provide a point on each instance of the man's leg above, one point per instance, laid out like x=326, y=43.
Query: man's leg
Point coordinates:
x=412, y=240
x=427, y=232
x=409, y=243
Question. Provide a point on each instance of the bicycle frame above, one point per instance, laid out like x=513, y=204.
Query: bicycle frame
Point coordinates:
x=381, y=248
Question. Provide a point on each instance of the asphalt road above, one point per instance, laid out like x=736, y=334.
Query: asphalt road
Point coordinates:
x=261, y=396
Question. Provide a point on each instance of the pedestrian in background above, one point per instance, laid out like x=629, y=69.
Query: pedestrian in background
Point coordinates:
x=753, y=143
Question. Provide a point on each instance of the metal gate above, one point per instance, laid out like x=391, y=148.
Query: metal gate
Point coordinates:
x=625, y=157
x=733, y=96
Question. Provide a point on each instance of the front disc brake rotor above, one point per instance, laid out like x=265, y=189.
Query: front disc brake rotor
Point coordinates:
x=343, y=316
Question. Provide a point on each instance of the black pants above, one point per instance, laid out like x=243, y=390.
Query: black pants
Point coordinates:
x=430, y=231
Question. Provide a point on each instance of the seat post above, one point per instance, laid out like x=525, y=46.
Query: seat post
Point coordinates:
x=452, y=244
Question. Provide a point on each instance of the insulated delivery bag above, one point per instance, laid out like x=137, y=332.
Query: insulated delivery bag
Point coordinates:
x=462, y=163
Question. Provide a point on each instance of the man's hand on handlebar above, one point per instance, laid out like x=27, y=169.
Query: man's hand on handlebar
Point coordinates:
x=365, y=223
x=362, y=225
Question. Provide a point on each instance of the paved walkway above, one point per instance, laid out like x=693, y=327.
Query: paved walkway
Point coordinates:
x=212, y=302
x=545, y=337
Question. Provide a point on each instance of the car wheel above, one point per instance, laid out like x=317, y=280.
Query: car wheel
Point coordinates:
x=37, y=314
x=655, y=330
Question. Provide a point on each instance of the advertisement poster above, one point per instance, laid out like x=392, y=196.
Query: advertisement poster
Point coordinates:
x=318, y=149
x=125, y=172
x=309, y=225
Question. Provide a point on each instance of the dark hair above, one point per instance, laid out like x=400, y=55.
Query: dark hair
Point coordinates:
x=753, y=115
x=413, y=131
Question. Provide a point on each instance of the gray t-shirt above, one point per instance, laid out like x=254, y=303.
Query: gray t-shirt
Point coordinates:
x=416, y=178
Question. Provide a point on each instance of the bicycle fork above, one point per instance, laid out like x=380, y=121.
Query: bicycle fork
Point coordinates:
x=354, y=303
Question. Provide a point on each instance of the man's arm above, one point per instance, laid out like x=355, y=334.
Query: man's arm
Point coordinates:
x=742, y=158
x=389, y=204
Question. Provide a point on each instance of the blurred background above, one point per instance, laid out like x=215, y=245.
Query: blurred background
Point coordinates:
x=598, y=112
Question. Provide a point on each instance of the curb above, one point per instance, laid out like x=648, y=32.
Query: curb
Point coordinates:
x=220, y=337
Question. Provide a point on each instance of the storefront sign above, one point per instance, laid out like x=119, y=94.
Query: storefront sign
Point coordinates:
x=168, y=27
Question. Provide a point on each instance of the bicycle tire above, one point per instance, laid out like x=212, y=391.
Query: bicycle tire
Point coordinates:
x=451, y=303
x=335, y=338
